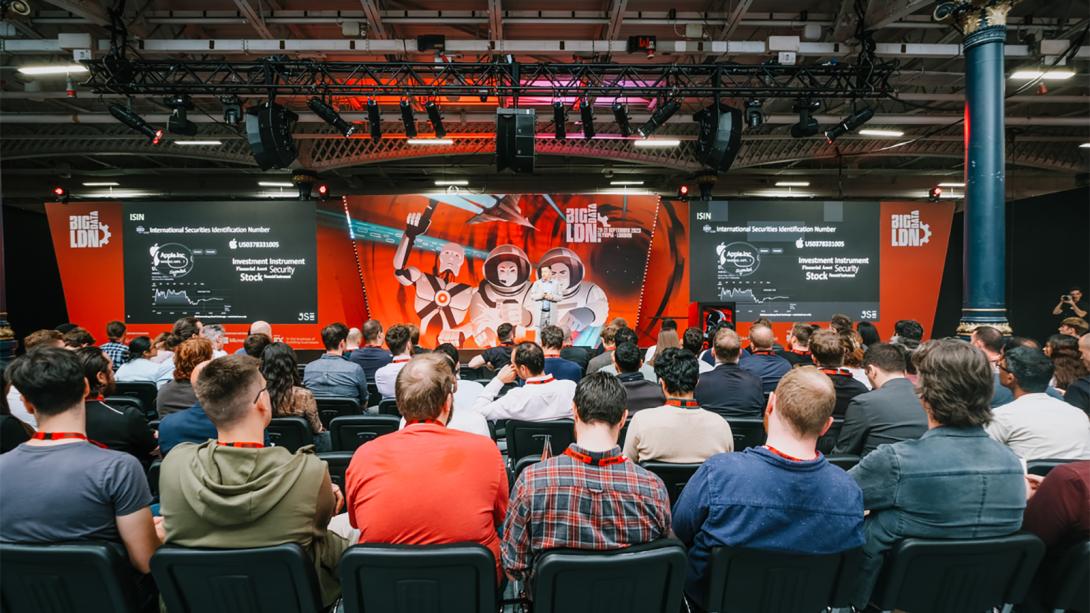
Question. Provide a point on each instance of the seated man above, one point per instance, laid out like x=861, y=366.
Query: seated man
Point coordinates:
x=641, y=393
x=798, y=345
x=61, y=487
x=371, y=356
x=782, y=496
x=829, y=354
x=463, y=417
x=761, y=360
x=728, y=390
x=954, y=481
x=628, y=335
x=121, y=428
x=680, y=431
x=257, y=328
x=254, y=345
x=333, y=375
x=235, y=492
x=608, y=336
x=499, y=356
x=693, y=340
x=890, y=413
x=1057, y=512
x=1034, y=425
x=552, y=341
x=591, y=496
x=428, y=484
x=399, y=340
x=542, y=398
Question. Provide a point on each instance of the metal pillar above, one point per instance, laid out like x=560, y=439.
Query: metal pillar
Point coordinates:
x=984, y=292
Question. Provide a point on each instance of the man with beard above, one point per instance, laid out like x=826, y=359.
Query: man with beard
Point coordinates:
x=582, y=303
x=121, y=428
x=500, y=296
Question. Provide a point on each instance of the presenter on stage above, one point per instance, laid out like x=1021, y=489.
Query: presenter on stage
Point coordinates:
x=545, y=295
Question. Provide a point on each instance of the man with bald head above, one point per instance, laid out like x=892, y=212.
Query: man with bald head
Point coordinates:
x=761, y=359
x=783, y=496
x=258, y=327
x=727, y=389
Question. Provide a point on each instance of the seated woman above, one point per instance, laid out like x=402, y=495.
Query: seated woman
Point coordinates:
x=279, y=367
x=141, y=366
x=177, y=395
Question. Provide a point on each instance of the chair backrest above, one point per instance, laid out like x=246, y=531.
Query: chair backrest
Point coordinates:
x=645, y=578
x=747, y=431
x=146, y=391
x=277, y=578
x=952, y=576
x=843, y=460
x=522, y=464
x=827, y=441
x=373, y=397
x=388, y=406
x=528, y=437
x=290, y=433
x=153, y=478
x=458, y=578
x=121, y=402
x=1045, y=465
x=1068, y=588
x=674, y=476
x=348, y=433
x=76, y=578
x=338, y=463
x=742, y=579
x=329, y=408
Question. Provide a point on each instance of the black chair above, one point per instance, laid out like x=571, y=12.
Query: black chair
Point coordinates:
x=1068, y=589
x=388, y=406
x=146, y=391
x=338, y=463
x=747, y=431
x=290, y=433
x=843, y=460
x=521, y=465
x=277, y=578
x=301, y=369
x=646, y=578
x=329, y=408
x=121, y=402
x=153, y=478
x=373, y=397
x=675, y=476
x=955, y=576
x=67, y=578
x=526, y=438
x=348, y=433
x=1044, y=466
x=827, y=441
x=418, y=579
x=742, y=579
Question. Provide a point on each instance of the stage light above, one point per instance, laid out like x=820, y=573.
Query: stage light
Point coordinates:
x=657, y=142
x=881, y=133
x=51, y=69
x=408, y=119
x=232, y=109
x=660, y=116
x=101, y=184
x=323, y=191
x=951, y=184
x=331, y=116
x=430, y=141
x=205, y=143
x=60, y=194
x=1049, y=74
x=451, y=182
x=586, y=113
x=620, y=115
x=179, y=122
x=622, y=183
x=435, y=118
x=792, y=184
x=754, y=116
x=275, y=184
x=560, y=120
x=849, y=124
x=1084, y=146
x=807, y=126
x=126, y=116
x=374, y=119
x=683, y=192
x=934, y=194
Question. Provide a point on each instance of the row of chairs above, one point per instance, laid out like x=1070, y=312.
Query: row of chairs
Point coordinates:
x=918, y=576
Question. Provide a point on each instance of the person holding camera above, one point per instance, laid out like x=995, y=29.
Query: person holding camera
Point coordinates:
x=1071, y=304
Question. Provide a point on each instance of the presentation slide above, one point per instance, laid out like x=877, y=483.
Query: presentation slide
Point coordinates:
x=220, y=261
x=786, y=260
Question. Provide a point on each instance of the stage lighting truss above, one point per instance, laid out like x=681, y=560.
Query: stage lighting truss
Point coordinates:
x=331, y=116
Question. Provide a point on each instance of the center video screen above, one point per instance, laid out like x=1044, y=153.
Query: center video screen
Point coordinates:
x=223, y=262
x=787, y=261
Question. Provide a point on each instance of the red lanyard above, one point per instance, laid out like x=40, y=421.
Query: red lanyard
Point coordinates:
x=586, y=459
x=56, y=436
x=545, y=379
x=425, y=421
x=242, y=445
x=788, y=457
x=762, y=352
x=837, y=372
x=401, y=359
x=801, y=352
x=685, y=403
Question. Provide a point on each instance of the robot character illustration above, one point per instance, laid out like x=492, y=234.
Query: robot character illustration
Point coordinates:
x=501, y=296
x=583, y=304
x=440, y=299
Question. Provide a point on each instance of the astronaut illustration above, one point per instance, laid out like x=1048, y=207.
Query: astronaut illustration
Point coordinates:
x=501, y=296
x=583, y=303
x=439, y=300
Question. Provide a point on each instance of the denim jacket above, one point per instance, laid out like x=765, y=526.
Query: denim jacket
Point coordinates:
x=953, y=482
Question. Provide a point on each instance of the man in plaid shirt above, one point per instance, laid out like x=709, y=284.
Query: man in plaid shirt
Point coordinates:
x=115, y=348
x=591, y=497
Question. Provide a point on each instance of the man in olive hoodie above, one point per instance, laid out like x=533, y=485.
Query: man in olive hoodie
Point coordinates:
x=234, y=492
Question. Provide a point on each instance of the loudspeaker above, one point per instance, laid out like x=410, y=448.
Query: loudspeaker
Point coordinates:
x=268, y=128
x=515, y=139
x=719, y=137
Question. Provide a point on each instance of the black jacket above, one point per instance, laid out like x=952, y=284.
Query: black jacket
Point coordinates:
x=731, y=392
x=642, y=394
x=889, y=414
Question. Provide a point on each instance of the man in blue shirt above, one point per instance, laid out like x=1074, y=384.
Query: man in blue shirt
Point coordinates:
x=783, y=496
x=332, y=375
x=727, y=389
x=189, y=426
x=371, y=356
x=552, y=341
x=762, y=360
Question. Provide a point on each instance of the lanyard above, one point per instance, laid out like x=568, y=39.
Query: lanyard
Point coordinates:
x=837, y=372
x=401, y=359
x=425, y=421
x=762, y=352
x=685, y=403
x=586, y=459
x=242, y=445
x=801, y=352
x=56, y=436
x=788, y=457
x=545, y=379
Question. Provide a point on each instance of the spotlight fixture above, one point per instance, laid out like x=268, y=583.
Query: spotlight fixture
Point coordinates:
x=126, y=116
x=179, y=122
x=807, y=125
x=374, y=120
x=323, y=190
x=435, y=118
x=934, y=194
x=232, y=109
x=660, y=116
x=60, y=194
x=408, y=118
x=849, y=124
x=586, y=113
x=683, y=192
x=620, y=114
x=331, y=116
x=18, y=7
x=560, y=120
x=754, y=116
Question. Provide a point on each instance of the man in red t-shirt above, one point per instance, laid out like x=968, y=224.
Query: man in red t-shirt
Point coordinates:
x=427, y=484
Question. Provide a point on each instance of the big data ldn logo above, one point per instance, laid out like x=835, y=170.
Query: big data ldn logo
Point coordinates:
x=87, y=232
x=909, y=231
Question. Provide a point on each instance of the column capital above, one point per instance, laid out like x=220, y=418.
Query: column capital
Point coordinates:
x=971, y=16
